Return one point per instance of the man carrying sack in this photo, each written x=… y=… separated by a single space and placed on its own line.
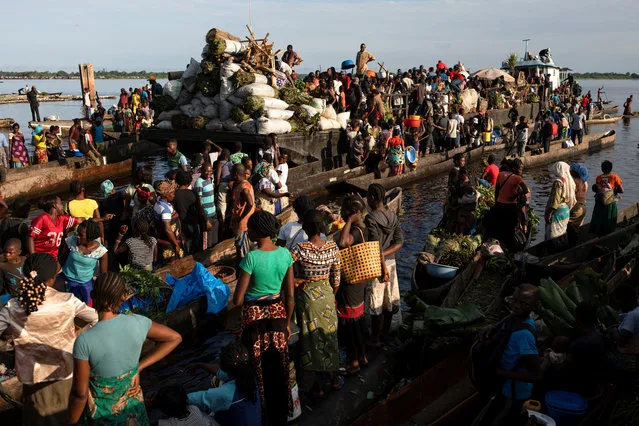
x=382 y=297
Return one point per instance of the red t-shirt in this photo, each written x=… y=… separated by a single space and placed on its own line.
x=492 y=171
x=47 y=235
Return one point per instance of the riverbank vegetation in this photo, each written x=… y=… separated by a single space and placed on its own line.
x=64 y=75
x=606 y=76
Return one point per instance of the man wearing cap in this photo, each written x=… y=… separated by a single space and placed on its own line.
x=362 y=60
x=156 y=88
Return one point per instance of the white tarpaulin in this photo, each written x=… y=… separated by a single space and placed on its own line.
x=494 y=74
x=469 y=98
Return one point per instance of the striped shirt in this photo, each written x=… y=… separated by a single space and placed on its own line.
x=204 y=189
x=140 y=253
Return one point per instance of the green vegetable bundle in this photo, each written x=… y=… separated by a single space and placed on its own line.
x=238 y=115
x=293 y=96
x=163 y=103
x=208 y=67
x=145 y=283
x=533 y=221
x=252 y=104
x=197 y=123
x=243 y=78
x=452 y=249
x=216 y=46
x=207 y=85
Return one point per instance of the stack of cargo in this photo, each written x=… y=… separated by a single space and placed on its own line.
x=235 y=87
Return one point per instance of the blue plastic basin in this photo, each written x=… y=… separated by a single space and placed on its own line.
x=441 y=271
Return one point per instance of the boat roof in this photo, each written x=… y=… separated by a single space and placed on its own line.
x=535 y=63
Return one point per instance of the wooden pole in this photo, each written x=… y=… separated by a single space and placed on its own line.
x=87 y=80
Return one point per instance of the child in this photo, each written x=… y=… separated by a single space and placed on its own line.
x=11 y=270
x=142 y=248
x=236 y=402
x=172 y=400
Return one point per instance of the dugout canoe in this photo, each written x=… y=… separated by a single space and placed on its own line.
x=607 y=110
x=593 y=144
x=38 y=180
x=6 y=122
x=610 y=120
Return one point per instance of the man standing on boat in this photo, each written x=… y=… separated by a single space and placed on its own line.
x=627 y=106
x=32 y=97
x=578 y=125
x=362 y=60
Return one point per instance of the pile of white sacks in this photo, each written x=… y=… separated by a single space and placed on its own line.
x=212 y=95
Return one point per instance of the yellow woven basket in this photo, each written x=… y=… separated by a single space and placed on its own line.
x=361 y=262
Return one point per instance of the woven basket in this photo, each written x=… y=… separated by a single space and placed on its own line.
x=361 y=262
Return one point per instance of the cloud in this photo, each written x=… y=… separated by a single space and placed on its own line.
x=585 y=35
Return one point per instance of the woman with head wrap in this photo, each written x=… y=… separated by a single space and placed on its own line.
x=560 y=202
x=579 y=173
x=607 y=187
x=39 y=141
x=107 y=360
x=265 y=289
x=267 y=183
x=395 y=149
x=317 y=269
x=167 y=223
x=19 y=155
x=41 y=322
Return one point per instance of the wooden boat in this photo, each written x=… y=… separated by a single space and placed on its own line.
x=592 y=144
x=625 y=217
x=224 y=252
x=6 y=122
x=38 y=180
x=310 y=179
x=607 y=110
x=423 y=170
x=610 y=120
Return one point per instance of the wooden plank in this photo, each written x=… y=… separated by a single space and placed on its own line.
x=87 y=79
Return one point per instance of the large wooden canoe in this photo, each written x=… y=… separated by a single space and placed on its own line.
x=6 y=122
x=38 y=180
x=432 y=169
x=609 y=120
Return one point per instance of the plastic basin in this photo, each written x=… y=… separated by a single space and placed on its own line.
x=566 y=408
x=441 y=271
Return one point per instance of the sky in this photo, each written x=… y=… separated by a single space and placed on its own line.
x=162 y=35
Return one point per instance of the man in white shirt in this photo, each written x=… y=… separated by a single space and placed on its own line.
x=461 y=136
x=451 y=131
x=577 y=126
x=292 y=233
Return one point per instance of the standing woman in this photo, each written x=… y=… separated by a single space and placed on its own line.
x=395 y=149
x=106 y=360
x=39 y=140
x=579 y=173
x=167 y=224
x=504 y=215
x=223 y=169
x=317 y=272
x=560 y=203
x=608 y=186
x=352 y=328
x=265 y=290
x=41 y=321
x=267 y=184
x=84 y=255
x=19 y=155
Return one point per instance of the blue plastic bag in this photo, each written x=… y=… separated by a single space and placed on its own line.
x=198 y=283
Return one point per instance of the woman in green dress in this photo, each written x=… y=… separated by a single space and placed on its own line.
x=106 y=360
x=317 y=271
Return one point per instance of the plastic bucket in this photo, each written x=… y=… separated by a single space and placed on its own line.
x=566 y=408
x=485 y=137
x=413 y=121
x=371 y=73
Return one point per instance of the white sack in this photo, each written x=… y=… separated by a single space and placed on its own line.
x=165 y=125
x=226 y=87
x=260 y=78
x=248 y=126
x=266 y=126
x=184 y=98
x=469 y=99
x=188 y=110
x=235 y=100
x=214 y=124
x=210 y=111
x=274 y=103
x=312 y=112
x=342 y=119
x=172 y=88
x=206 y=101
x=167 y=115
x=326 y=124
x=329 y=113
x=190 y=75
x=229 y=68
x=230 y=126
x=255 y=89
x=318 y=103
x=235 y=47
x=281 y=114
x=225 y=110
